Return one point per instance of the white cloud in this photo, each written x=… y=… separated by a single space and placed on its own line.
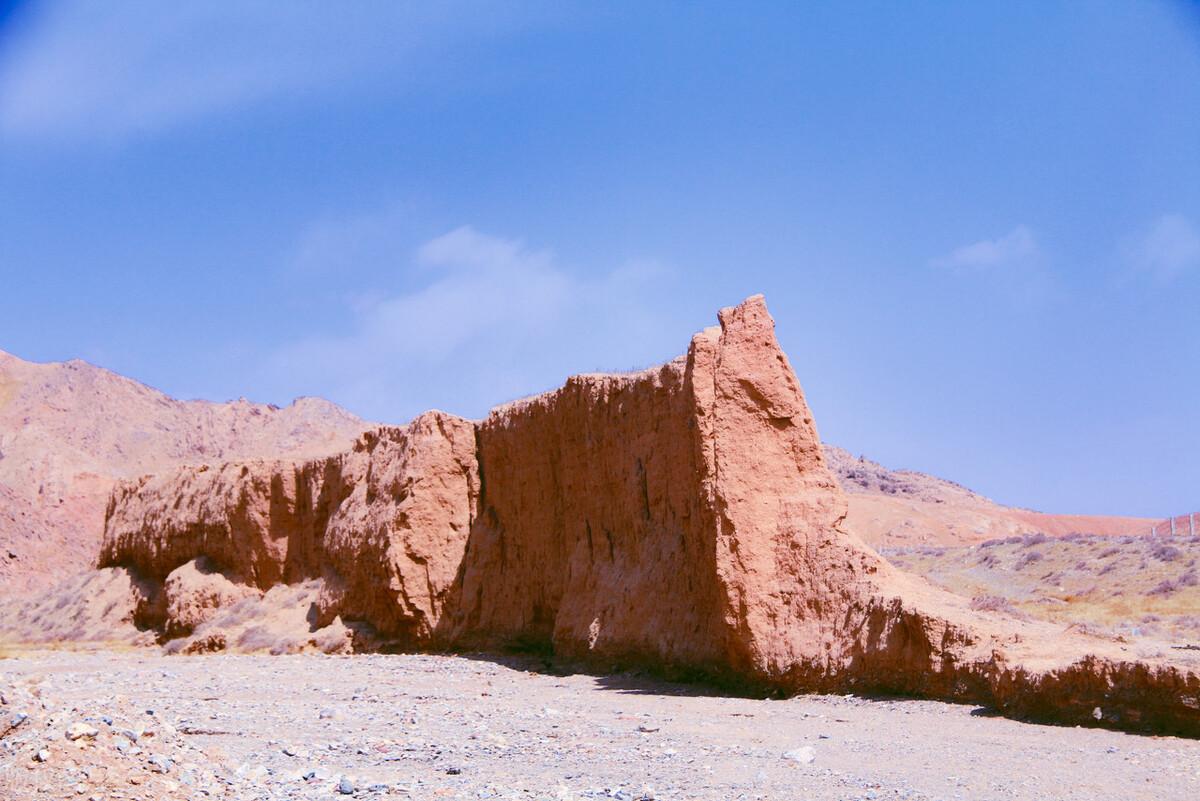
x=342 y=245
x=1017 y=248
x=495 y=319
x=108 y=70
x=1169 y=249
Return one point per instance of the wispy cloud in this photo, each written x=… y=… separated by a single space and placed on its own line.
x=495 y=318
x=353 y=243
x=1168 y=249
x=1017 y=248
x=80 y=70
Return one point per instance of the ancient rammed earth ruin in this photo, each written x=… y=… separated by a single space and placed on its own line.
x=681 y=518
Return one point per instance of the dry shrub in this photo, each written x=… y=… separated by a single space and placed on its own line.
x=262 y=638
x=1165 y=553
x=995 y=603
x=1164 y=587
x=1028 y=559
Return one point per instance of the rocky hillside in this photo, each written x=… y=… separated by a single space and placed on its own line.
x=903 y=508
x=69 y=431
x=1127 y=586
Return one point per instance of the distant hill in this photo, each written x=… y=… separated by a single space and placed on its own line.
x=69 y=430
x=897 y=508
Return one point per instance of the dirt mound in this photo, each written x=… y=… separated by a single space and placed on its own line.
x=69 y=431
x=682 y=518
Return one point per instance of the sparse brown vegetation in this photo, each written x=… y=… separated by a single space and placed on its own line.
x=996 y=603
x=1133 y=586
x=1028 y=559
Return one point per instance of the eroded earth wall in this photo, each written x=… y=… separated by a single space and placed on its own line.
x=681 y=517
x=384 y=525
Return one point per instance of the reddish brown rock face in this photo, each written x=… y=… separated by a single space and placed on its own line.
x=681 y=517
x=593 y=533
x=385 y=523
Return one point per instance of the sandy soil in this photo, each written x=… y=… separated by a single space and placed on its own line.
x=420 y=727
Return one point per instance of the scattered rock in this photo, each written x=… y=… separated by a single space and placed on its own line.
x=803 y=755
x=160 y=764
x=81 y=730
x=12 y=724
x=345 y=786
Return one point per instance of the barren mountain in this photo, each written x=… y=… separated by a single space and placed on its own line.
x=904 y=508
x=70 y=430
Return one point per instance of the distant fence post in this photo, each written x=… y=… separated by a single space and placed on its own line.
x=1172 y=526
x=1192 y=523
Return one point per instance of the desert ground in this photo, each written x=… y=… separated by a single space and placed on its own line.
x=431 y=726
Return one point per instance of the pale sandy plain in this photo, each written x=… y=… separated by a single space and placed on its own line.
x=426 y=727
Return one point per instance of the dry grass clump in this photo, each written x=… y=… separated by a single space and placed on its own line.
x=1028 y=559
x=265 y=638
x=1165 y=553
x=989 y=560
x=996 y=603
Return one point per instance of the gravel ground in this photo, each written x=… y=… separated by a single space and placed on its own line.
x=308 y=726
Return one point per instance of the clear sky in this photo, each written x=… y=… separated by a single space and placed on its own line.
x=977 y=224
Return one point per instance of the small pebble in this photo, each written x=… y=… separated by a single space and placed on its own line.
x=160 y=764
x=804 y=754
x=80 y=730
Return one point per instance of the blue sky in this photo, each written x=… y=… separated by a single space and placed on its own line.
x=977 y=224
